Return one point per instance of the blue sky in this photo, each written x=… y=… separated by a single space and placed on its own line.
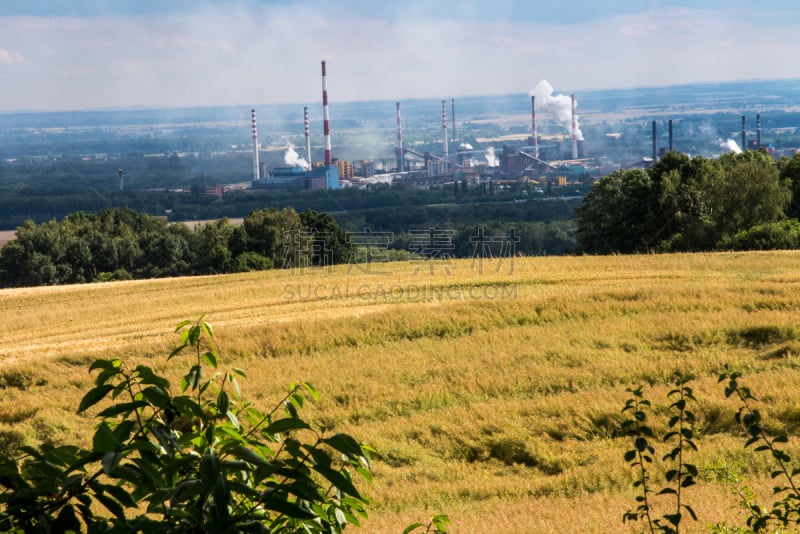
x=82 y=54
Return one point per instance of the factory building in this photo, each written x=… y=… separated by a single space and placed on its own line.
x=345 y=169
x=297 y=178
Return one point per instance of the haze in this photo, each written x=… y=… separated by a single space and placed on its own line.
x=86 y=54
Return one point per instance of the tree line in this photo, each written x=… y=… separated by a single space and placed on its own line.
x=119 y=244
x=122 y=244
x=737 y=202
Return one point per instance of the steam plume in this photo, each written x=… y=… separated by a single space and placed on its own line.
x=465 y=146
x=491 y=158
x=292 y=159
x=558 y=106
x=731 y=145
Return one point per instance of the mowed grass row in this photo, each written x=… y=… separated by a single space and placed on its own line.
x=490 y=390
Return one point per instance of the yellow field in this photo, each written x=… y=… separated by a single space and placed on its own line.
x=491 y=391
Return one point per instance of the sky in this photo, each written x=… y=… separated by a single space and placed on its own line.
x=89 y=54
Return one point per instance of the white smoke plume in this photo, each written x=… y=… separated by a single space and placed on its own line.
x=731 y=145
x=491 y=158
x=558 y=106
x=292 y=159
x=465 y=146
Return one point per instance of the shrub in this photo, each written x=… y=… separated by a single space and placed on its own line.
x=201 y=459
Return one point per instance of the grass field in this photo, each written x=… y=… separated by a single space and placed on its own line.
x=491 y=391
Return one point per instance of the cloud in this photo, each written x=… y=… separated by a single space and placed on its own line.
x=7 y=57
x=269 y=52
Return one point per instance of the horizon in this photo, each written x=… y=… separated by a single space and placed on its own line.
x=143 y=108
x=98 y=54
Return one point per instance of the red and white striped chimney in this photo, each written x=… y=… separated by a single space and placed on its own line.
x=399 y=149
x=326 y=126
x=574 y=130
x=256 y=173
x=308 y=135
x=444 y=128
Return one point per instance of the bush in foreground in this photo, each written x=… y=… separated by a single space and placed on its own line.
x=202 y=459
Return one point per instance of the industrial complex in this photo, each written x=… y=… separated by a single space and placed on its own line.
x=541 y=161
x=533 y=160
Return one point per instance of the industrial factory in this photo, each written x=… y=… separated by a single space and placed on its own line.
x=541 y=161
x=530 y=160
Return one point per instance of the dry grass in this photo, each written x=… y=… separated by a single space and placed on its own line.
x=493 y=397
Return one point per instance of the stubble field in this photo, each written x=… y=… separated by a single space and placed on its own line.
x=492 y=391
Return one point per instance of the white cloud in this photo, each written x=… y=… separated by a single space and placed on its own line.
x=271 y=54
x=9 y=57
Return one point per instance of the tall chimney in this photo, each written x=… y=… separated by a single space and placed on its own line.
x=534 y=134
x=744 y=133
x=444 y=129
x=655 y=149
x=574 y=130
x=326 y=125
x=399 y=148
x=758 y=130
x=256 y=174
x=671 y=148
x=308 y=135
x=453 y=114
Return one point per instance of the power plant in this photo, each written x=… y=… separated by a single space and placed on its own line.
x=553 y=159
x=300 y=174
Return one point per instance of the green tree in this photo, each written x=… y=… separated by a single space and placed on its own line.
x=751 y=192
x=330 y=240
x=619 y=214
x=212 y=247
x=685 y=203
x=279 y=236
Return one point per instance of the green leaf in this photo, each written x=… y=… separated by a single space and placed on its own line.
x=210 y=358
x=66 y=521
x=209 y=468
x=287 y=508
x=222 y=498
x=125 y=407
x=94 y=396
x=286 y=424
x=122 y=496
x=182 y=324
x=110 y=461
x=346 y=445
x=104 y=439
x=249 y=455
x=111 y=505
x=223 y=402
x=311 y=390
x=336 y=478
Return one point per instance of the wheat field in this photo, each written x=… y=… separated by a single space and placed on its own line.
x=491 y=390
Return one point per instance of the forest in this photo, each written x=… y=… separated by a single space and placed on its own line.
x=746 y=201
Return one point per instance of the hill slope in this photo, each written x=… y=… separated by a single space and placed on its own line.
x=491 y=389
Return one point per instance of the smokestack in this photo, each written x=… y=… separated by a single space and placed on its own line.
x=119 y=171
x=326 y=125
x=256 y=174
x=670 y=136
x=444 y=128
x=574 y=130
x=744 y=133
x=399 y=149
x=535 y=135
x=655 y=149
x=308 y=134
x=758 y=130
x=453 y=114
